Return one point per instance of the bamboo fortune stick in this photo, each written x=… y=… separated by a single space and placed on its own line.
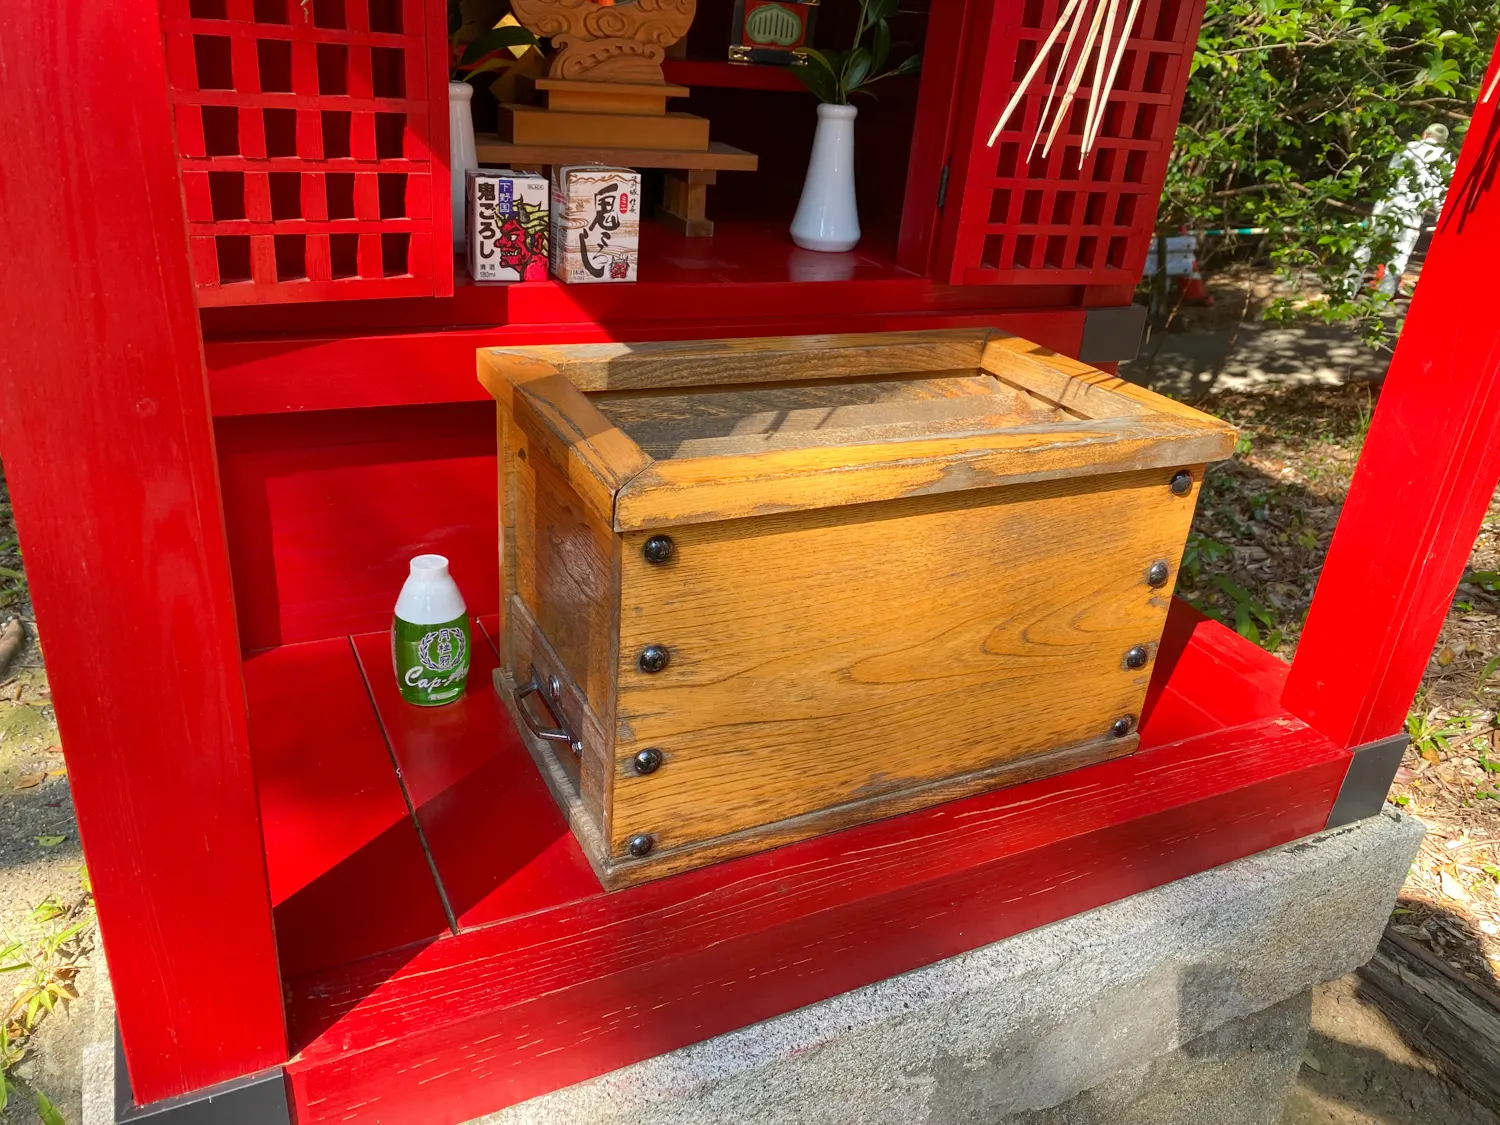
x=1097 y=94
x=1114 y=65
x=1036 y=65
x=1062 y=65
x=1067 y=102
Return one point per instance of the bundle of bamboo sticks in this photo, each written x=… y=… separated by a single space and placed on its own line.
x=1098 y=42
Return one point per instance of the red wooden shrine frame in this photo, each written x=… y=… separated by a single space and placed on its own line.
x=260 y=793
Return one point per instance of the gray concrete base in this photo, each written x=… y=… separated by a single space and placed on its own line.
x=1237 y=1074
x=1186 y=1003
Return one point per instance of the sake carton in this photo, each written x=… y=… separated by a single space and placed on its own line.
x=596 y=223
x=505 y=221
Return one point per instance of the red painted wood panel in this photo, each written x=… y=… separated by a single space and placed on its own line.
x=109 y=456
x=288 y=253
x=1425 y=476
x=326 y=371
x=748 y=271
x=337 y=826
x=567 y=993
x=1063 y=217
x=1214 y=676
x=326 y=510
x=939 y=101
x=498 y=840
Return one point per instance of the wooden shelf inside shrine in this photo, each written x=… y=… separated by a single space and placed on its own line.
x=689 y=173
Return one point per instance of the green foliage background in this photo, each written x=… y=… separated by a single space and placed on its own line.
x=1295 y=107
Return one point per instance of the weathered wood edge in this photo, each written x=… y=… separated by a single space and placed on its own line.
x=595 y=765
x=595 y=455
x=616 y=873
x=575 y=812
x=695 y=363
x=1077 y=387
x=700 y=490
x=1440 y=1012
x=718 y=157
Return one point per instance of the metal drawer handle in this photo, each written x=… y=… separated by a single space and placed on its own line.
x=549 y=694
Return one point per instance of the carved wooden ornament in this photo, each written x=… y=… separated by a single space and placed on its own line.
x=596 y=42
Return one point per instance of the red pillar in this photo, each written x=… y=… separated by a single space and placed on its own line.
x=108 y=446
x=1425 y=477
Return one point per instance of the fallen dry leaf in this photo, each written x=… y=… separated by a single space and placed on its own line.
x=28 y=781
x=1453 y=889
x=50 y=841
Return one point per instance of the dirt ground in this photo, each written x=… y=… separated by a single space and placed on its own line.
x=1303 y=399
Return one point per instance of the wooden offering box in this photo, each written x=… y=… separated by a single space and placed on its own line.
x=757 y=590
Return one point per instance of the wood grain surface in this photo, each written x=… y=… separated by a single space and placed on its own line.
x=616 y=871
x=562 y=425
x=721 y=157
x=835 y=655
x=731 y=422
x=1080 y=388
x=698 y=363
x=699 y=489
x=1451 y=1019
x=590 y=772
x=905 y=570
x=564 y=565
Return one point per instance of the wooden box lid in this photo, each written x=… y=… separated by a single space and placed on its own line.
x=662 y=434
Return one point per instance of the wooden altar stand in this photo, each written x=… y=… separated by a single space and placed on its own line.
x=689 y=174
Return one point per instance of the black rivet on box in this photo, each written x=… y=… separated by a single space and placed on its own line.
x=653 y=658
x=1136 y=657
x=657 y=549
x=1182 y=483
x=646 y=761
x=1158 y=573
x=1122 y=726
x=639 y=846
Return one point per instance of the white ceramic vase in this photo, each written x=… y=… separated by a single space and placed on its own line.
x=461 y=155
x=827 y=217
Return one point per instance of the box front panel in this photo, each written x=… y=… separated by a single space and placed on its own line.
x=824 y=657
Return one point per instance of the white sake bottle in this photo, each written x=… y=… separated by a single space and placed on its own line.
x=430 y=635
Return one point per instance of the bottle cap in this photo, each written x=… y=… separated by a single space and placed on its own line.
x=429 y=567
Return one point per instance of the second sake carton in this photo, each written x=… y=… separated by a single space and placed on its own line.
x=505 y=220
x=596 y=223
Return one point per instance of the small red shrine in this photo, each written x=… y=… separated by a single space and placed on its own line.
x=239 y=393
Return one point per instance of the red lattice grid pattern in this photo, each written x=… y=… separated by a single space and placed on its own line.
x=312 y=139
x=1048 y=220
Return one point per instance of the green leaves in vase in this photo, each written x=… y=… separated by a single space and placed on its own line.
x=834 y=76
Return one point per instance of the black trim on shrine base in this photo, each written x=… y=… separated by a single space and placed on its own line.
x=255 y=1099
x=1112 y=335
x=1371 y=771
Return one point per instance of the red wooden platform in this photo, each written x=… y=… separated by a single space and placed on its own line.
x=503 y=959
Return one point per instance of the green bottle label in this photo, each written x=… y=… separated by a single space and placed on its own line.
x=431 y=661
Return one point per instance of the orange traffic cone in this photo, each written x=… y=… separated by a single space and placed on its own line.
x=1193 y=290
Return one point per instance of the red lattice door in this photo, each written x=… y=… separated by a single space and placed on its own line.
x=312 y=139
x=1056 y=220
